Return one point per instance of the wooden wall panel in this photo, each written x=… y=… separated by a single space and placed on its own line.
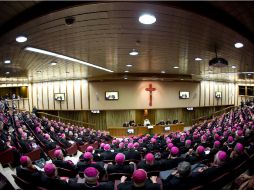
x=34 y=97
x=202 y=94
x=56 y=89
x=70 y=98
x=207 y=93
x=77 y=94
x=39 y=96
x=212 y=93
x=51 y=96
x=63 y=90
x=84 y=91
x=45 y=96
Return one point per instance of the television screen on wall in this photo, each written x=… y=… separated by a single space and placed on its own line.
x=218 y=94
x=130 y=131
x=111 y=95
x=59 y=96
x=184 y=95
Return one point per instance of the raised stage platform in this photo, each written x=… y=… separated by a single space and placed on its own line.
x=157 y=129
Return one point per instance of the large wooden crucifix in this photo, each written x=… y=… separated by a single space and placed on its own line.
x=150 y=90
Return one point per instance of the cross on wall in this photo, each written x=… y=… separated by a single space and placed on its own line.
x=150 y=90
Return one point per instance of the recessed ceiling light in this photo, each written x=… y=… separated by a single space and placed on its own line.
x=198 y=59
x=233 y=67
x=134 y=52
x=45 y=52
x=238 y=45
x=175 y=67
x=38 y=71
x=182 y=79
x=53 y=63
x=21 y=39
x=126 y=71
x=7 y=61
x=129 y=65
x=147 y=19
x=163 y=72
x=7 y=72
x=249 y=74
x=125 y=78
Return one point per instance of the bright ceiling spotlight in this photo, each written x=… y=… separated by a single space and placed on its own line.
x=238 y=45
x=7 y=61
x=21 y=39
x=147 y=19
x=53 y=63
x=134 y=52
x=198 y=59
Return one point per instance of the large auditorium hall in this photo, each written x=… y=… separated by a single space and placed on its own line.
x=126 y=95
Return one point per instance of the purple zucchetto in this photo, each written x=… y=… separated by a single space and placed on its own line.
x=91 y=173
x=50 y=169
x=139 y=176
x=120 y=158
x=87 y=155
x=200 y=149
x=239 y=148
x=24 y=160
x=89 y=149
x=174 y=151
x=130 y=146
x=121 y=145
x=216 y=144
x=106 y=147
x=149 y=157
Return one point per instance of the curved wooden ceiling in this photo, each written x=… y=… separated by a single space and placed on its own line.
x=105 y=33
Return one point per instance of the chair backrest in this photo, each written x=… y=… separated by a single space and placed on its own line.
x=22 y=183
x=72 y=149
x=51 y=153
x=82 y=148
x=62 y=172
x=34 y=154
x=4 y=183
x=117 y=176
x=153 y=173
x=7 y=157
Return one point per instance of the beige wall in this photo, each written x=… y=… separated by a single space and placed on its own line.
x=84 y=95
x=132 y=95
x=208 y=89
x=41 y=95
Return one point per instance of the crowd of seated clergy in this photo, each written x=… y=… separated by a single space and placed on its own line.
x=181 y=159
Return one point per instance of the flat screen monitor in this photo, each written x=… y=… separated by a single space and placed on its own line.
x=111 y=95
x=150 y=127
x=130 y=131
x=59 y=96
x=218 y=94
x=184 y=95
x=167 y=128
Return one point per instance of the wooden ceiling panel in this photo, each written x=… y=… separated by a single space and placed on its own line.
x=105 y=33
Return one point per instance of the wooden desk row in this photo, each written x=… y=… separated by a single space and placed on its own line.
x=157 y=129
